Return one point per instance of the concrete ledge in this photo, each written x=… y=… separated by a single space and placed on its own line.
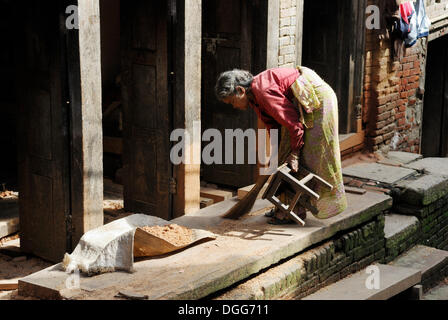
x=431 y=262
x=242 y=248
x=395 y=225
x=438 y=166
x=378 y=172
x=403 y=157
x=401 y=233
x=393 y=280
x=423 y=190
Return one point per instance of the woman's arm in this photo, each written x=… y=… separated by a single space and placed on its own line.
x=286 y=114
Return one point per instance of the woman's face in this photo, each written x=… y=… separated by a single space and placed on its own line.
x=238 y=101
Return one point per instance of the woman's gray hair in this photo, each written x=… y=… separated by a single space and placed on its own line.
x=229 y=80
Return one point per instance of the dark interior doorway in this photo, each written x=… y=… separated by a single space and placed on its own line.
x=435 y=109
x=8 y=104
x=233 y=36
x=146 y=94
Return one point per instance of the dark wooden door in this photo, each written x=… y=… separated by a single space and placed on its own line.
x=146 y=112
x=435 y=110
x=44 y=191
x=333 y=46
x=227 y=44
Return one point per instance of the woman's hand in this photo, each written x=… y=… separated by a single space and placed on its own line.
x=293 y=161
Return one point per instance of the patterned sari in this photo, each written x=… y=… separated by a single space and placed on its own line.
x=318 y=107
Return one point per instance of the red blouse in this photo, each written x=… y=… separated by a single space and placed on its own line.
x=271 y=89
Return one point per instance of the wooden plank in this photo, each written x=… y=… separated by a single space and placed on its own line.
x=84 y=76
x=354 y=190
x=113 y=145
x=216 y=194
x=9 y=284
x=352 y=140
x=250 y=247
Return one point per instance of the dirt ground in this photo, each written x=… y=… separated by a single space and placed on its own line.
x=14 y=264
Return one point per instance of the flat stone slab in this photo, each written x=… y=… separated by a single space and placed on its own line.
x=378 y=172
x=9 y=220
x=393 y=280
x=403 y=157
x=437 y=166
x=423 y=189
x=438 y=293
x=395 y=224
x=242 y=248
x=422 y=258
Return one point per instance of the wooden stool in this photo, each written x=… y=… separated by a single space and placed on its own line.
x=283 y=176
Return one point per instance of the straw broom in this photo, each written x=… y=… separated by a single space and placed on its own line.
x=246 y=203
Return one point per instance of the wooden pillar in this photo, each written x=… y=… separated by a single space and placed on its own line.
x=187 y=102
x=273 y=33
x=86 y=118
x=299 y=33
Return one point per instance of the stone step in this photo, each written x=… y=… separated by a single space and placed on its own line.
x=396 y=225
x=432 y=262
x=392 y=281
x=401 y=233
x=403 y=157
x=9 y=220
x=378 y=172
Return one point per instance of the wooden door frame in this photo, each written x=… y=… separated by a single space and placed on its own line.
x=84 y=85
x=187 y=101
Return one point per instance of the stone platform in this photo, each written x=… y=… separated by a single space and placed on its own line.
x=242 y=249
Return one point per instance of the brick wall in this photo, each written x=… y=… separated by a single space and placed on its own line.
x=433 y=218
x=287 y=34
x=393 y=95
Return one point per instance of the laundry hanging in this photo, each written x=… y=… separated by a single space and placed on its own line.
x=408 y=23
x=423 y=22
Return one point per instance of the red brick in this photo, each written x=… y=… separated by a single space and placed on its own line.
x=401 y=121
x=416 y=64
x=402 y=108
x=399 y=115
x=407 y=66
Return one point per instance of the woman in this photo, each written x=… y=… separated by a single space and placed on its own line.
x=305 y=107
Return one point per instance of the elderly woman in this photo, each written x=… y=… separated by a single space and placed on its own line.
x=300 y=103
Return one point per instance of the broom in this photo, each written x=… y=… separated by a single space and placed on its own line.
x=246 y=203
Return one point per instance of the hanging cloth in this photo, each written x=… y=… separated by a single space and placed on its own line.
x=423 y=22
x=408 y=23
